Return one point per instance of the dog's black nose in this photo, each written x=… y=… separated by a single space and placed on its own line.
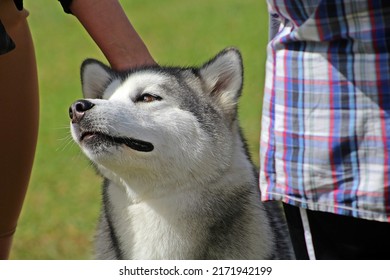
x=78 y=109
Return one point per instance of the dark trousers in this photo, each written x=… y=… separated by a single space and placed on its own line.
x=337 y=237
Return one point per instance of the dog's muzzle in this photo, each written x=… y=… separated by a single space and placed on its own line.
x=76 y=113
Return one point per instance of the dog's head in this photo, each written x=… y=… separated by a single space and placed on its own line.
x=160 y=121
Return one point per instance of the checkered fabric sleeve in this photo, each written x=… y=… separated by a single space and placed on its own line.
x=325 y=134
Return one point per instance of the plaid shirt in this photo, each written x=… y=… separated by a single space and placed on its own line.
x=325 y=135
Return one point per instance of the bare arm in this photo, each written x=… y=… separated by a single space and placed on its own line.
x=112 y=31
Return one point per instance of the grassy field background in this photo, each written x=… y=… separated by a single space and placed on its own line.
x=62 y=205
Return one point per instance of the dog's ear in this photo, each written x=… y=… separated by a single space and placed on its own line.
x=95 y=77
x=223 y=78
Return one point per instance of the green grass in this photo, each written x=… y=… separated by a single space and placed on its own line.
x=62 y=205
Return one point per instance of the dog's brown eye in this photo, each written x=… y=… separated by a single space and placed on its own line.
x=147 y=97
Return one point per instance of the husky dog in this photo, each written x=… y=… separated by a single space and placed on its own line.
x=178 y=181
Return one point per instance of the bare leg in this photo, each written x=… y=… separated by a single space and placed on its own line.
x=19 y=112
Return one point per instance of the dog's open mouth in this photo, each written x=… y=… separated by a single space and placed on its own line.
x=135 y=144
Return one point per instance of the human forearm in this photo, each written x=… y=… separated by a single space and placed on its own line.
x=110 y=28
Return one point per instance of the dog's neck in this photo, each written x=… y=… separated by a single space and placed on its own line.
x=142 y=189
x=137 y=190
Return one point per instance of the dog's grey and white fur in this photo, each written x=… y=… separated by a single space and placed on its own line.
x=178 y=181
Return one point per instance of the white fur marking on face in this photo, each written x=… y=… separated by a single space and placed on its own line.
x=110 y=90
x=139 y=83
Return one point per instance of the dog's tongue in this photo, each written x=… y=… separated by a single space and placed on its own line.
x=136 y=144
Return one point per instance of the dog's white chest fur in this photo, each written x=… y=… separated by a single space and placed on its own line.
x=154 y=229
x=178 y=226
